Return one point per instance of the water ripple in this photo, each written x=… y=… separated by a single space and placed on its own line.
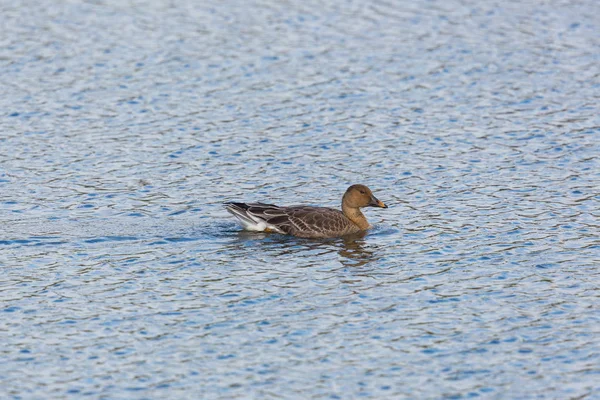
x=124 y=128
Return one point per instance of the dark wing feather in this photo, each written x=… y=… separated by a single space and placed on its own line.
x=271 y=214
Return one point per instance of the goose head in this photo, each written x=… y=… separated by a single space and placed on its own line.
x=360 y=196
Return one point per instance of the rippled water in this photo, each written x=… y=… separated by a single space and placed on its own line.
x=125 y=125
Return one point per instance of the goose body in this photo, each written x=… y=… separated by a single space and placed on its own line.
x=308 y=221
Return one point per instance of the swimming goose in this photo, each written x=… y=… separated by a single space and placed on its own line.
x=307 y=221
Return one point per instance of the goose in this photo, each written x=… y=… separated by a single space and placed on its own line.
x=309 y=221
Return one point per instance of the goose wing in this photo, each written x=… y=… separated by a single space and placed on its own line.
x=305 y=221
x=301 y=221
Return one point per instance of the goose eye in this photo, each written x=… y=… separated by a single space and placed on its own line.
x=362 y=192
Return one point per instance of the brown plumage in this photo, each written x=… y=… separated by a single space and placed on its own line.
x=307 y=221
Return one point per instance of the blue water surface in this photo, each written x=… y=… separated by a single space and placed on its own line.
x=125 y=125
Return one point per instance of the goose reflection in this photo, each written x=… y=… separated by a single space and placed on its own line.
x=352 y=251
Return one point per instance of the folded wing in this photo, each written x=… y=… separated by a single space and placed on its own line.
x=302 y=221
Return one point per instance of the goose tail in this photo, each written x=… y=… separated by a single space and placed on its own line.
x=250 y=219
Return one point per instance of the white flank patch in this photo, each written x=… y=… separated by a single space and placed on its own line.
x=251 y=222
x=257 y=227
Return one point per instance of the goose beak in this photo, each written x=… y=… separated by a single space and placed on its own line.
x=376 y=203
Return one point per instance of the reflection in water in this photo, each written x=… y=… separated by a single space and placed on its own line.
x=355 y=253
x=353 y=250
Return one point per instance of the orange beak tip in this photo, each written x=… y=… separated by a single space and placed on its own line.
x=381 y=204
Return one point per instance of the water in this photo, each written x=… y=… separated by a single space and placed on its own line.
x=125 y=125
